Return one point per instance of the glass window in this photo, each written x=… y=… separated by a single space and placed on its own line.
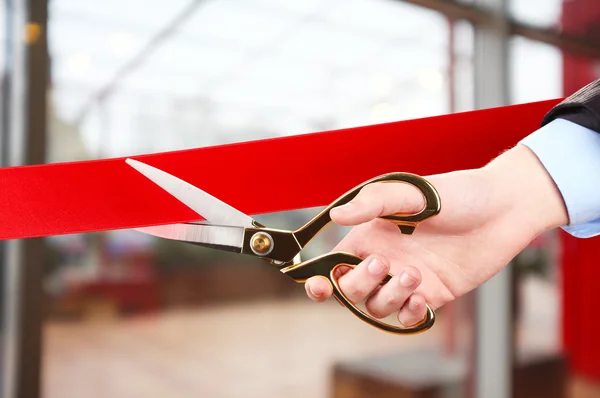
x=545 y=13
x=535 y=71
x=232 y=70
x=462 y=66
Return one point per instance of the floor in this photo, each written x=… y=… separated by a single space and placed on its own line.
x=257 y=350
x=265 y=350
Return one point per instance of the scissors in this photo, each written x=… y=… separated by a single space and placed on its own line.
x=231 y=230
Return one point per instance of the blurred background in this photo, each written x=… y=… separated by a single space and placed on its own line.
x=119 y=314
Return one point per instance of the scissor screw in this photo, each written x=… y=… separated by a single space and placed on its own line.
x=261 y=243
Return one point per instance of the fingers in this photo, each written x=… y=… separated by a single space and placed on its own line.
x=318 y=288
x=394 y=295
x=379 y=199
x=356 y=284
x=362 y=280
x=414 y=311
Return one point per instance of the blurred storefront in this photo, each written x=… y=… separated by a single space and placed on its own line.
x=127 y=315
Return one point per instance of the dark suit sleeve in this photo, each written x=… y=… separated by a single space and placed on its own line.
x=582 y=108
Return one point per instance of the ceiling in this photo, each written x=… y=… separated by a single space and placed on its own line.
x=239 y=70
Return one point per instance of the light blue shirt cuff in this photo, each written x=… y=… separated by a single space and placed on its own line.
x=571 y=155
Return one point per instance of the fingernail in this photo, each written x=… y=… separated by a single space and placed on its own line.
x=406 y=280
x=343 y=207
x=412 y=305
x=376 y=267
x=312 y=291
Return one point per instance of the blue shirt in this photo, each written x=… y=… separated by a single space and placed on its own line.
x=571 y=155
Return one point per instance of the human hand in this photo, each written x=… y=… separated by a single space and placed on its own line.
x=487 y=217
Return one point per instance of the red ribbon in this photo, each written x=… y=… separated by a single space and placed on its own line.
x=255 y=177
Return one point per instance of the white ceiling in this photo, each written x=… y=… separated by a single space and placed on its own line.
x=240 y=70
x=247 y=69
x=537 y=12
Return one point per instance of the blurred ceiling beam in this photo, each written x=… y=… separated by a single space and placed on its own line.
x=169 y=29
x=477 y=15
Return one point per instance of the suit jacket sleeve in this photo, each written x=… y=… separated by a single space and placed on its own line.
x=582 y=108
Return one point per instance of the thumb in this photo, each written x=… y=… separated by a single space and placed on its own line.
x=379 y=199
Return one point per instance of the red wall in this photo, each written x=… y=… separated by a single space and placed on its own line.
x=581 y=257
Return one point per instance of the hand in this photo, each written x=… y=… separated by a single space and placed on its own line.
x=487 y=217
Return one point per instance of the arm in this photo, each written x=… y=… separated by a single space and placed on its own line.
x=568 y=146
x=570 y=154
x=550 y=179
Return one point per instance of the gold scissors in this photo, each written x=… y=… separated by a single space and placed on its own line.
x=234 y=231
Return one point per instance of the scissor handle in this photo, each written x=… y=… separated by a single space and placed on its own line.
x=406 y=222
x=326 y=265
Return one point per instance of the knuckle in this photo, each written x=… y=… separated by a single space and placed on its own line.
x=372 y=195
x=412 y=278
x=375 y=311
x=394 y=300
x=413 y=312
x=413 y=272
x=409 y=320
x=356 y=291
x=375 y=189
x=368 y=191
x=414 y=306
x=381 y=258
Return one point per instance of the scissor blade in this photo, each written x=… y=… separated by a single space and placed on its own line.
x=212 y=209
x=218 y=237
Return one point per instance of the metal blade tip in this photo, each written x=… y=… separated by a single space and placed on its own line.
x=145 y=169
x=135 y=163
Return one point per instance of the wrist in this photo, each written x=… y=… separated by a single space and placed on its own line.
x=525 y=190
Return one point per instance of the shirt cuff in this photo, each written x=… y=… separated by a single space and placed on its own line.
x=571 y=155
x=587 y=230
